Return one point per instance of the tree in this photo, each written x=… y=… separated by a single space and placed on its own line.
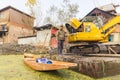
x=35 y=10
x=67 y=11
x=63 y=14
x=55 y=15
x=30 y=4
x=51 y=16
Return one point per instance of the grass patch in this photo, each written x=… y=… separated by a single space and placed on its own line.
x=12 y=67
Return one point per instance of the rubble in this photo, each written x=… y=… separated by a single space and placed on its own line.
x=20 y=49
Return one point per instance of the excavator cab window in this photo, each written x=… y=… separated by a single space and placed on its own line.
x=70 y=28
x=87 y=29
x=81 y=28
x=110 y=38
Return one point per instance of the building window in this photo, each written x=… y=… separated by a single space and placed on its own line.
x=4 y=28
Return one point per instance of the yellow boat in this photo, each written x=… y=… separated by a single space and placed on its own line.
x=30 y=60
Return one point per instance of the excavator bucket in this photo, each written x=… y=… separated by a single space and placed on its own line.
x=75 y=23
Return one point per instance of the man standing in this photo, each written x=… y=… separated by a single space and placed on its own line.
x=61 y=38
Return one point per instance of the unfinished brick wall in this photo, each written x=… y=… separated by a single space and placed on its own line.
x=15 y=32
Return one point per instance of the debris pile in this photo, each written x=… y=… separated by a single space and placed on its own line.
x=20 y=49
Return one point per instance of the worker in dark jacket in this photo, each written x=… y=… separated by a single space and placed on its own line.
x=61 y=34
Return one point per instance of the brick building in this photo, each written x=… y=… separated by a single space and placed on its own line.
x=13 y=24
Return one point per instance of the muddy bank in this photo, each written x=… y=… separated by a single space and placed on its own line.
x=96 y=67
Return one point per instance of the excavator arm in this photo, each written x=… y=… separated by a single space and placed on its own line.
x=110 y=23
x=109 y=26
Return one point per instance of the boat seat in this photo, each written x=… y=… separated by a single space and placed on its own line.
x=28 y=55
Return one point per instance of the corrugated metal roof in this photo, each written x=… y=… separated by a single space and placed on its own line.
x=47 y=26
x=97 y=10
x=108 y=7
x=27 y=36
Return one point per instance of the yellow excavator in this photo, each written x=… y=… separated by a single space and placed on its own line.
x=86 y=37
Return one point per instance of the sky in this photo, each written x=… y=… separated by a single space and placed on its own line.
x=85 y=6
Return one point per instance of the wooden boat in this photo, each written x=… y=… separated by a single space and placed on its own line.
x=30 y=60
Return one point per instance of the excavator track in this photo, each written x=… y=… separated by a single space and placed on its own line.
x=85 y=49
x=94 y=49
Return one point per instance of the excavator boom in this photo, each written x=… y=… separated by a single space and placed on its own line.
x=110 y=24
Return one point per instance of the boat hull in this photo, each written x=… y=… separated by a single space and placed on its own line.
x=31 y=62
